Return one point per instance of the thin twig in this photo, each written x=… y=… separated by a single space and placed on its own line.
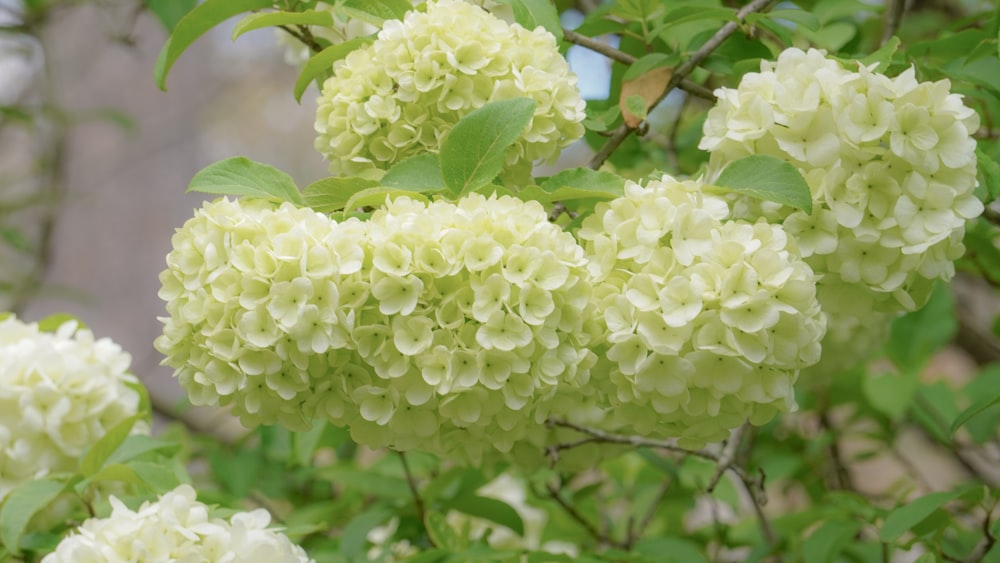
x=418 y=501
x=841 y=476
x=600 y=436
x=575 y=514
x=620 y=56
x=304 y=36
x=728 y=455
x=680 y=73
x=635 y=532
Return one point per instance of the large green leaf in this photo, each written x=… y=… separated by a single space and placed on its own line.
x=599 y=182
x=98 y=454
x=196 y=23
x=768 y=178
x=916 y=336
x=473 y=152
x=976 y=408
x=533 y=13
x=490 y=509
x=332 y=194
x=375 y=12
x=827 y=541
x=22 y=503
x=354 y=536
x=241 y=176
x=269 y=19
x=320 y=65
x=420 y=173
x=904 y=518
x=169 y=12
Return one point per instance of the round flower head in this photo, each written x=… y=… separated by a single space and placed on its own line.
x=708 y=320
x=59 y=394
x=890 y=162
x=400 y=95
x=260 y=301
x=478 y=315
x=176 y=528
x=442 y=327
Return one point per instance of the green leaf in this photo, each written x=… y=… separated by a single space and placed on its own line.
x=890 y=394
x=533 y=13
x=268 y=19
x=916 y=336
x=169 y=12
x=984 y=425
x=241 y=176
x=827 y=541
x=377 y=196
x=692 y=13
x=768 y=178
x=673 y=549
x=441 y=533
x=883 y=56
x=159 y=477
x=15 y=238
x=490 y=509
x=375 y=12
x=598 y=182
x=472 y=153
x=332 y=194
x=368 y=482
x=989 y=173
x=196 y=23
x=637 y=105
x=304 y=443
x=904 y=518
x=98 y=454
x=24 y=502
x=138 y=445
x=973 y=410
x=52 y=323
x=111 y=472
x=320 y=65
x=647 y=63
x=420 y=173
x=801 y=18
x=354 y=536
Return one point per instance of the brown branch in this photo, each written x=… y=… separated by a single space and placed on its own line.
x=303 y=35
x=682 y=72
x=600 y=437
x=617 y=55
x=841 y=475
x=727 y=460
x=893 y=17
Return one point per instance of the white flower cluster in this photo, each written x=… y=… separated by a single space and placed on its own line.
x=400 y=95
x=441 y=327
x=708 y=320
x=260 y=301
x=176 y=528
x=59 y=394
x=890 y=162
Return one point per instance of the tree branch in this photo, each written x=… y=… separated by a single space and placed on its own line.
x=682 y=72
x=418 y=501
x=617 y=55
x=893 y=17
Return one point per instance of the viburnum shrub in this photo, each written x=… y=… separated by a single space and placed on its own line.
x=460 y=347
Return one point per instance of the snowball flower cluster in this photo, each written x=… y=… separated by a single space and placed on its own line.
x=260 y=299
x=443 y=327
x=890 y=162
x=176 y=528
x=59 y=394
x=708 y=320
x=400 y=96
